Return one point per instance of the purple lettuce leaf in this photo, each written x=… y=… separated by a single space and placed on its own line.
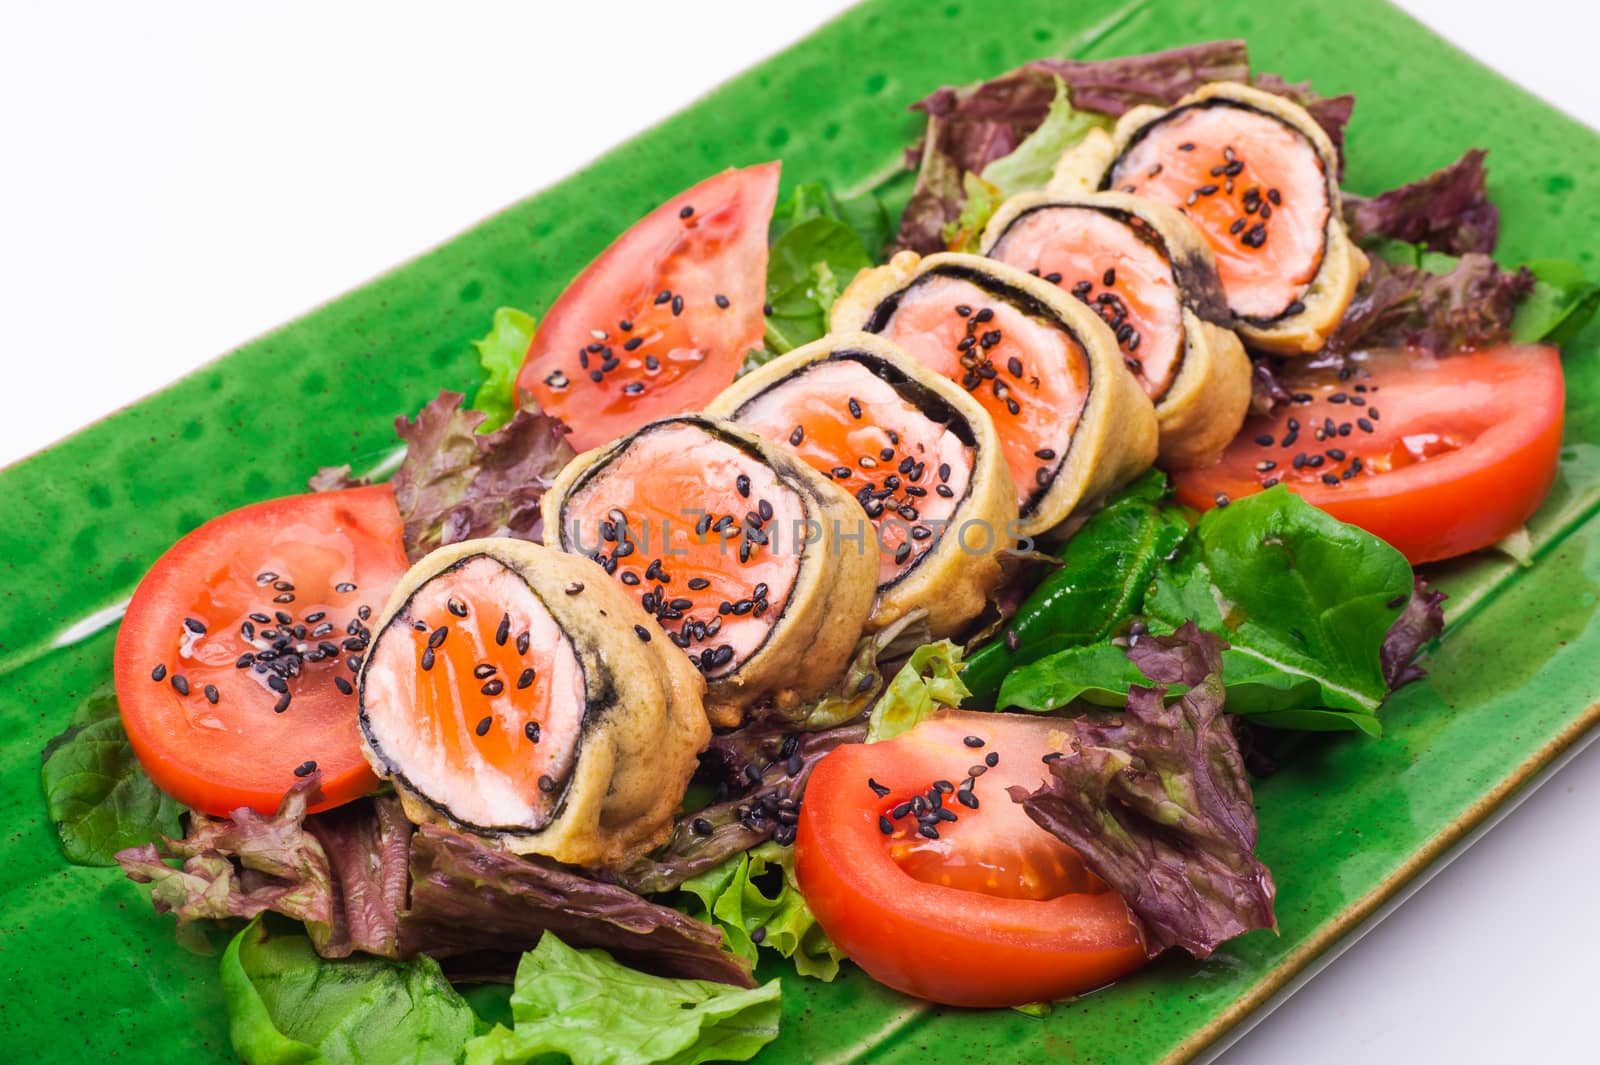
x=1470 y=305
x=458 y=484
x=1448 y=211
x=1156 y=801
x=249 y=863
x=1419 y=623
x=487 y=907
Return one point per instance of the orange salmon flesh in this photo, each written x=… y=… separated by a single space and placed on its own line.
x=1115 y=265
x=908 y=470
x=475 y=695
x=704 y=534
x=1252 y=184
x=1031 y=375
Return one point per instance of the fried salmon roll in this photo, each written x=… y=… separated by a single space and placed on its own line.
x=1146 y=270
x=760 y=569
x=1072 y=422
x=919 y=455
x=1259 y=178
x=515 y=692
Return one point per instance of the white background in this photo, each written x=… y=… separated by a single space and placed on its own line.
x=177 y=179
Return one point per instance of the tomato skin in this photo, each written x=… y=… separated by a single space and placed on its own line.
x=238 y=752
x=1511 y=400
x=686 y=349
x=949 y=945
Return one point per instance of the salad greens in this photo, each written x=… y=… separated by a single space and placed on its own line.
x=1308 y=604
x=484 y=906
x=289 y=1006
x=249 y=863
x=755 y=893
x=1448 y=211
x=582 y=1006
x=931 y=678
x=1028 y=166
x=1156 y=802
x=458 y=482
x=500 y=354
x=97 y=795
x=817 y=245
x=1106 y=569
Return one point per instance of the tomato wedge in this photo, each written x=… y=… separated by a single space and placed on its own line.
x=661 y=321
x=972 y=906
x=1438 y=456
x=237 y=659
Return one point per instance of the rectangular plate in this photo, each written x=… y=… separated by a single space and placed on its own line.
x=85 y=964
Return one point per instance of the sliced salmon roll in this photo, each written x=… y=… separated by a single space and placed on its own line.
x=1259 y=178
x=758 y=567
x=515 y=692
x=1149 y=273
x=1072 y=422
x=919 y=455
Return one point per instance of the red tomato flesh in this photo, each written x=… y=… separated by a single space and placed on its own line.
x=222 y=697
x=1437 y=456
x=987 y=909
x=661 y=321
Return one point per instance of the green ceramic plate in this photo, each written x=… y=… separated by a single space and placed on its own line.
x=85 y=965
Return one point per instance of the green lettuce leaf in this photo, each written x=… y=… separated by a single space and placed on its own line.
x=288 y=1006
x=1311 y=609
x=865 y=214
x=1031 y=163
x=1562 y=302
x=931 y=678
x=1100 y=585
x=500 y=353
x=807 y=267
x=582 y=1004
x=817 y=244
x=757 y=890
x=979 y=201
x=97 y=794
x=1304 y=596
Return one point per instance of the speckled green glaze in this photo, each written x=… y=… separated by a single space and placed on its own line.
x=87 y=972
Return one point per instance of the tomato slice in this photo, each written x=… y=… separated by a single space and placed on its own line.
x=661 y=321
x=975 y=906
x=1438 y=456
x=237 y=659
